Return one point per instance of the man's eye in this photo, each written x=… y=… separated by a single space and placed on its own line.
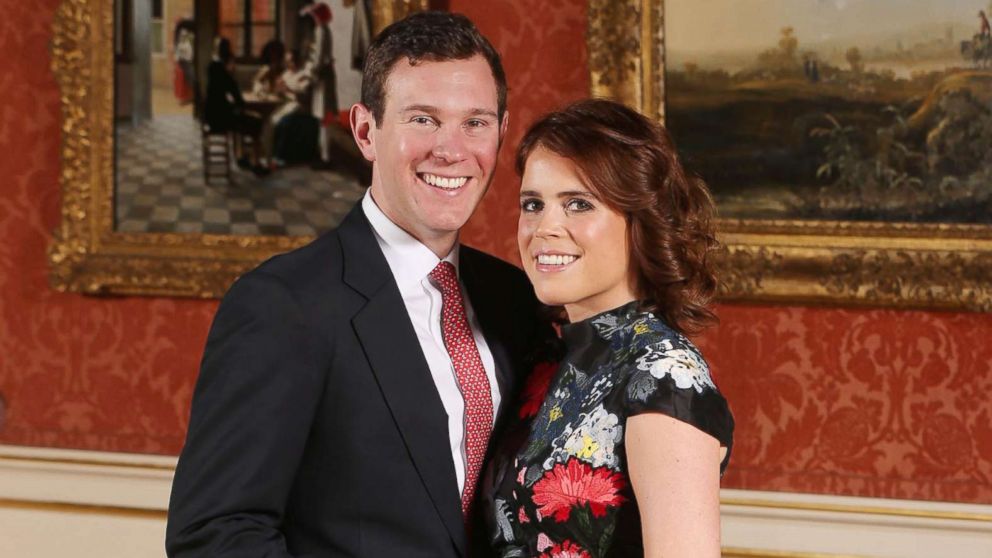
x=427 y=120
x=475 y=123
x=531 y=205
x=579 y=205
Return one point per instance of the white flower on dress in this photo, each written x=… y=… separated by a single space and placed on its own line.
x=607 y=325
x=593 y=441
x=685 y=366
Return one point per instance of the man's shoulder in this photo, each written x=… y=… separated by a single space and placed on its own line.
x=495 y=271
x=484 y=260
x=314 y=266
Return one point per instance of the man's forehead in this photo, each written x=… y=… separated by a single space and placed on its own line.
x=409 y=84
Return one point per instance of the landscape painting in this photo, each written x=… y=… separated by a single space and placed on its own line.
x=852 y=110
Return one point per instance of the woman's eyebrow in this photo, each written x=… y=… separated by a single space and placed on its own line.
x=565 y=194
x=574 y=193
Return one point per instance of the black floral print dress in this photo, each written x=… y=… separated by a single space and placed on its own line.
x=558 y=487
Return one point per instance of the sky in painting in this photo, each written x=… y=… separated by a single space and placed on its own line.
x=705 y=26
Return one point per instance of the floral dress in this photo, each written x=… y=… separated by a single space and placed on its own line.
x=558 y=487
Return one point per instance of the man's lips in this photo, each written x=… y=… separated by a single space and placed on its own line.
x=443 y=182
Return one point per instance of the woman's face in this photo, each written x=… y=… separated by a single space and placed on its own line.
x=573 y=246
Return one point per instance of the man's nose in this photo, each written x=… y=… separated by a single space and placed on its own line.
x=450 y=144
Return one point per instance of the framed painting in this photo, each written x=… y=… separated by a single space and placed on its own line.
x=848 y=144
x=202 y=136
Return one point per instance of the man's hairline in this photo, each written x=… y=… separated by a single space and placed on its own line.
x=500 y=113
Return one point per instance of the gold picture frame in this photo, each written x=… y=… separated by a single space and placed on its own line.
x=87 y=255
x=903 y=265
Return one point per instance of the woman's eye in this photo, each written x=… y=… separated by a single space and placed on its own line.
x=578 y=205
x=531 y=205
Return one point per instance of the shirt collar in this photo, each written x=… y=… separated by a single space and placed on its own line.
x=409 y=259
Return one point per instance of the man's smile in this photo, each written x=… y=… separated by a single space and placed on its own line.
x=444 y=182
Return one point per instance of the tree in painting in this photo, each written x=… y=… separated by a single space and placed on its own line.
x=874 y=110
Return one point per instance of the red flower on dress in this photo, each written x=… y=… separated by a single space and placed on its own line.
x=567 y=549
x=522 y=516
x=576 y=484
x=536 y=388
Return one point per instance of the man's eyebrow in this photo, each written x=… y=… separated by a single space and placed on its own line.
x=420 y=108
x=430 y=109
x=482 y=112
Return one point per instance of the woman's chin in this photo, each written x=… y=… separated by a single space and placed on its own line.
x=552 y=298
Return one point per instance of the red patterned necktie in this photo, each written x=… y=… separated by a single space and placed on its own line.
x=472 y=379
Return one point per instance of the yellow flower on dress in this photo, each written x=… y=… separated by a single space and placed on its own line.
x=588 y=449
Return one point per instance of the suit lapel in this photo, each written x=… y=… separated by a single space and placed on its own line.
x=390 y=344
x=494 y=327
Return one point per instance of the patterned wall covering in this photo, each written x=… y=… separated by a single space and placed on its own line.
x=860 y=402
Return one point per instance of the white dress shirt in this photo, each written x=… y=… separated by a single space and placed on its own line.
x=411 y=262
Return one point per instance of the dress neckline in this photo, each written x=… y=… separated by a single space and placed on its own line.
x=580 y=330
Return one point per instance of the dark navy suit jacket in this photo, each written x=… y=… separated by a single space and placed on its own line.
x=316 y=429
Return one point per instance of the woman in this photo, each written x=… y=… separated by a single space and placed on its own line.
x=294 y=130
x=265 y=82
x=183 y=45
x=621 y=454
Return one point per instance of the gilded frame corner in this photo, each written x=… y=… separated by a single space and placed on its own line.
x=900 y=265
x=86 y=254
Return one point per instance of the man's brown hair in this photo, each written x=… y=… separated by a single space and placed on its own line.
x=430 y=36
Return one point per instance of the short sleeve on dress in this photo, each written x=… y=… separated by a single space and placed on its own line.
x=669 y=376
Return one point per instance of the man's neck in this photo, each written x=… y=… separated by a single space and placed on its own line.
x=440 y=244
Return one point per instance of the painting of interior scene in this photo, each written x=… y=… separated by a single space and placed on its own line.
x=862 y=110
x=231 y=115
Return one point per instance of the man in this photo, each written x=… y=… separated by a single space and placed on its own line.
x=348 y=389
x=320 y=67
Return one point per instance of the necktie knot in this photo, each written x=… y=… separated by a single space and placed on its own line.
x=445 y=278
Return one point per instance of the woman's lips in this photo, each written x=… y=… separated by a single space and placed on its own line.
x=550 y=262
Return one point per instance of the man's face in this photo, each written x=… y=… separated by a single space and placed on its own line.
x=434 y=152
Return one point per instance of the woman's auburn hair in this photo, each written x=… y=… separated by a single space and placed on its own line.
x=629 y=162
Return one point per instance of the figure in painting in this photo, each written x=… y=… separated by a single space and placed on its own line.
x=295 y=130
x=979 y=48
x=274 y=63
x=224 y=110
x=182 y=39
x=320 y=66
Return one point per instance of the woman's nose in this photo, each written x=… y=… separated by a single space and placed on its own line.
x=549 y=225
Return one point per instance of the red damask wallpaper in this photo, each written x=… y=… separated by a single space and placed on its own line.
x=861 y=402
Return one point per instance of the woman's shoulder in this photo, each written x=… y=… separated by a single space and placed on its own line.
x=662 y=371
x=644 y=343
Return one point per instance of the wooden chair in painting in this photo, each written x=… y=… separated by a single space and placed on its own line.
x=216 y=154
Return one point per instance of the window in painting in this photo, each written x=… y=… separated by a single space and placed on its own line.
x=157 y=31
x=249 y=24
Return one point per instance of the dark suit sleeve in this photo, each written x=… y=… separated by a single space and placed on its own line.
x=253 y=406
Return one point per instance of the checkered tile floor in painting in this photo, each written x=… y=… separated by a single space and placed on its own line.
x=160 y=188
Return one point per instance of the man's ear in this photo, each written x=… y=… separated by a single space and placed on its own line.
x=363 y=129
